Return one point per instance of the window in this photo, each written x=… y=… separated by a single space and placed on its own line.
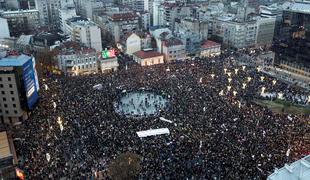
x=1 y=85
x=13 y=99
x=6 y=112
x=15 y=112
x=12 y=92
x=9 y=79
x=4 y=99
x=10 y=85
x=14 y=105
x=5 y=105
x=0 y=78
x=2 y=92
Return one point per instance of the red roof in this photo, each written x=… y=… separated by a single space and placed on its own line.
x=147 y=54
x=172 y=42
x=123 y=16
x=209 y=44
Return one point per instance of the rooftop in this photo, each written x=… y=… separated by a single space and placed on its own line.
x=298 y=170
x=123 y=16
x=147 y=54
x=5 y=150
x=172 y=42
x=301 y=6
x=10 y=61
x=208 y=44
x=19 y=11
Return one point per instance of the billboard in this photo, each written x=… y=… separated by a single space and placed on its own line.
x=106 y=54
x=30 y=84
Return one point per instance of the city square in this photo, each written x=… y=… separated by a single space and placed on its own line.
x=217 y=132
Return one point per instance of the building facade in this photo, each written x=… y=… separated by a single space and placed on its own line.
x=22 y=22
x=85 y=32
x=73 y=62
x=4 y=28
x=19 y=87
x=173 y=50
x=148 y=58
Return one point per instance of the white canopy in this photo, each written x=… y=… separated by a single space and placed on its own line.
x=98 y=86
x=153 y=132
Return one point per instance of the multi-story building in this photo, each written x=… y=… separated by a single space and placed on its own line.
x=85 y=32
x=120 y=24
x=137 y=41
x=265 y=31
x=148 y=58
x=78 y=61
x=191 y=32
x=173 y=11
x=254 y=33
x=22 y=21
x=8 y=158
x=19 y=87
x=273 y=11
x=240 y=34
x=48 y=10
x=66 y=13
x=210 y=48
x=145 y=20
x=87 y=8
x=173 y=49
x=292 y=48
x=4 y=28
x=46 y=41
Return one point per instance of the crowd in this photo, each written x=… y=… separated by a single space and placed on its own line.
x=217 y=130
x=140 y=104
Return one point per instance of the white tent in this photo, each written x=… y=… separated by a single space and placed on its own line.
x=98 y=86
x=153 y=132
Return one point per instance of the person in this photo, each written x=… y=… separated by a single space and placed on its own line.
x=212 y=136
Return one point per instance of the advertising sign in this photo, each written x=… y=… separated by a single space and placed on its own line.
x=30 y=84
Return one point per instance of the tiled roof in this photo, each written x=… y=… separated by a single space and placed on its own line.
x=147 y=54
x=209 y=44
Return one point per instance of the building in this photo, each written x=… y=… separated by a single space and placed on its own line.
x=158 y=12
x=84 y=31
x=120 y=24
x=297 y=170
x=4 y=28
x=19 y=87
x=66 y=13
x=173 y=50
x=7 y=156
x=46 y=41
x=292 y=48
x=48 y=10
x=77 y=61
x=145 y=20
x=265 y=31
x=240 y=34
x=192 y=32
x=273 y=11
x=148 y=58
x=108 y=61
x=22 y=21
x=137 y=41
x=210 y=49
x=24 y=43
x=87 y=8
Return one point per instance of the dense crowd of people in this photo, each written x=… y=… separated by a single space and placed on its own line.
x=140 y=104
x=217 y=130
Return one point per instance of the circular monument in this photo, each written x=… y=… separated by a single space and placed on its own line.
x=141 y=104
